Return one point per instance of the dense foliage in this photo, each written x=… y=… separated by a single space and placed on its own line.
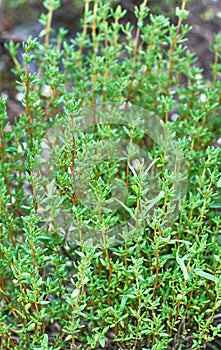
x=129 y=277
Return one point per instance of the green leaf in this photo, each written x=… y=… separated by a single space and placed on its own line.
x=31 y=327
x=123 y=302
x=102 y=342
x=130 y=211
x=45 y=340
x=219 y=182
x=27 y=307
x=180 y=262
x=206 y=275
x=74 y=294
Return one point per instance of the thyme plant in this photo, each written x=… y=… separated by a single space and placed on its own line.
x=158 y=286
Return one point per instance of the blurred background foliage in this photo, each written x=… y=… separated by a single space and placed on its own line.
x=33 y=7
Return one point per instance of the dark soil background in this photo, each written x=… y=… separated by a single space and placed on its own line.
x=19 y=22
